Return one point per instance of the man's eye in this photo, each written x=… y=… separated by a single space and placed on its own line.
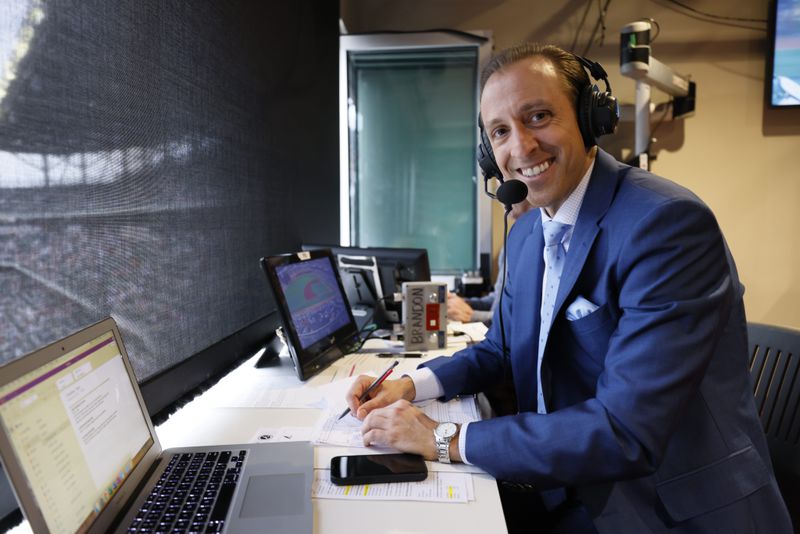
x=498 y=132
x=539 y=117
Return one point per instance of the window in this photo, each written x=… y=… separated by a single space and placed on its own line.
x=409 y=132
x=144 y=151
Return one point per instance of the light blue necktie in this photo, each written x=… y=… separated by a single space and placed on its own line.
x=554 y=256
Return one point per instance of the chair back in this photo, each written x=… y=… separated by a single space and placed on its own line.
x=775 y=370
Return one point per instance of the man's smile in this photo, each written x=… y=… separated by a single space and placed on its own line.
x=536 y=170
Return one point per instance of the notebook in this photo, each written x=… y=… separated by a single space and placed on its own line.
x=81 y=453
x=318 y=322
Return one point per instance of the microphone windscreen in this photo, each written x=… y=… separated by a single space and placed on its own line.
x=512 y=192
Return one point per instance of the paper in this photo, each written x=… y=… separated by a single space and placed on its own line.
x=259 y=395
x=438 y=487
x=459 y=410
x=331 y=430
x=281 y=434
x=359 y=363
x=346 y=432
x=474 y=331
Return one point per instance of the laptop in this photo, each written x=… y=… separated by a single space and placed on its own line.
x=318 y=322
x=81 y=454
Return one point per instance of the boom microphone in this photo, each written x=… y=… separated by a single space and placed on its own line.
x=511 y=192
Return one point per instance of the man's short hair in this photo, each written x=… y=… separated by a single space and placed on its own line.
x=572 y=73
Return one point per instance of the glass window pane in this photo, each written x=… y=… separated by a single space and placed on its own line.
x=412 y=152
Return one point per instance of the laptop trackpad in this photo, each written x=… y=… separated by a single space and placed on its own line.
x=271 y=495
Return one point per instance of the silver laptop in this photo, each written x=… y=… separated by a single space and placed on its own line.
x=82 y=456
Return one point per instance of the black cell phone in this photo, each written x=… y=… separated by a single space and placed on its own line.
x=399 y=355
x=377 y=469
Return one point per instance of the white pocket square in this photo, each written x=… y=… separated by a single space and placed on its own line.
x=580 y=308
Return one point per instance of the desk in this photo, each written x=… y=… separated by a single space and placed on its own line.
x=200 y=423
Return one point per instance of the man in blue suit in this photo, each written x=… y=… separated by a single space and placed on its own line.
x=637 y=408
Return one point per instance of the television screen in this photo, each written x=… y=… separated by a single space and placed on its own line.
x=783 y=80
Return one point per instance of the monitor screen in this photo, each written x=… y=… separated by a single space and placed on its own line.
x=394 y=266
x=783 y=77
x=317 y=321
x=315 y=302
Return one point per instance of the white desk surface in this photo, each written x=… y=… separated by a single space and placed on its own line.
x=200 y=422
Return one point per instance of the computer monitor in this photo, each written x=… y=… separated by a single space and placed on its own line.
x=783 y=67
x=394 y=266
x=317 y=321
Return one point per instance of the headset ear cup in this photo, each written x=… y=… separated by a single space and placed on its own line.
x=598 y=112
x=607 y=114
x=486 y=159
x=585 y=119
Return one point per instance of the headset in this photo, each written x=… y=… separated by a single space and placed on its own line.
x=598 y=114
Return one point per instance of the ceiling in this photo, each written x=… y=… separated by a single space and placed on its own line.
x=683 y=23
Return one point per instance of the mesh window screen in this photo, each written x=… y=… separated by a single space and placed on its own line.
x=145 y=147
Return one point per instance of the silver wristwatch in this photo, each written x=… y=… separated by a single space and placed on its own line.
x=442 y=434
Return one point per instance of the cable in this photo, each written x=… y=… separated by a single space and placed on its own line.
x=710 y=20
x=580 y=26
x=658 y=29
x=600 y=22
x=713 y=16
x=506 y=357
x=372 y=327
x=458 y=333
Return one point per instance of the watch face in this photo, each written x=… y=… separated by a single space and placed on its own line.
x=446 y=430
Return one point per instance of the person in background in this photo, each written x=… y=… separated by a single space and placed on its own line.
x=481 y=309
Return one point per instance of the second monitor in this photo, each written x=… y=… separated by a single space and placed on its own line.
x=371 y=275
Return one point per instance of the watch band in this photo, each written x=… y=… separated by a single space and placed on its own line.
x=442 y=435
x=443 y=450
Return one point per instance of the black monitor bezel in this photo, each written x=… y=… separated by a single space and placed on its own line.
x=770 y=62
x=319 y=355
x=386 y=258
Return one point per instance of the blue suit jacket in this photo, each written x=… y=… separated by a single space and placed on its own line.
x=651 y=414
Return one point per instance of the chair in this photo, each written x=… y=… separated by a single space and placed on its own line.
x=775 y=369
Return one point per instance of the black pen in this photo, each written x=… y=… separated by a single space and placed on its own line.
x=377 y=382
x=399 y=355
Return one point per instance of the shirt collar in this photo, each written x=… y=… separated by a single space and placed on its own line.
x=568 y=212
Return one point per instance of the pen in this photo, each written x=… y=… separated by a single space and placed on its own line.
x=371 y=388
x=400 y=355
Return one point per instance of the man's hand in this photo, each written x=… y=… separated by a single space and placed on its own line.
x=387 y=393
x=458 y=309
x=401 y=426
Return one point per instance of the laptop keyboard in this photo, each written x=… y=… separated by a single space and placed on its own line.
x=192 y=495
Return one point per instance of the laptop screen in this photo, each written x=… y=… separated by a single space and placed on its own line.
x=77 y=430
x=315 y=302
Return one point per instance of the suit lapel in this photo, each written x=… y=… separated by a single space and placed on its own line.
x=527 y=308
x=596 y=202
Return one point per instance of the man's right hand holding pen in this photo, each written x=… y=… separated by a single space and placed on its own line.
x=390 y=420
x=388 y=392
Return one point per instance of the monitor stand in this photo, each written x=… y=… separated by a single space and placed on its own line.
x=271 y=352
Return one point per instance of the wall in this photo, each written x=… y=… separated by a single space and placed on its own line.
x=736 y=155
